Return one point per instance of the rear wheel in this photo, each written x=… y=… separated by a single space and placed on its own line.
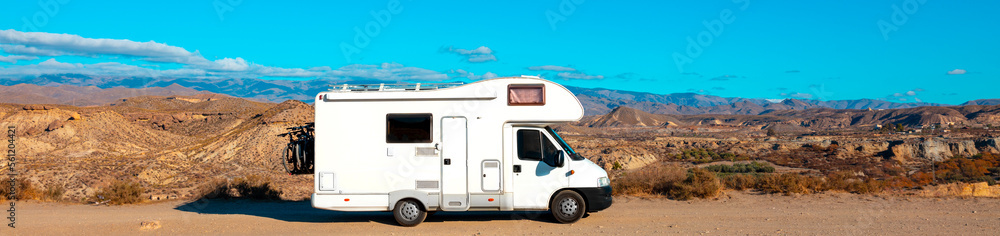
x=409 y=213
x=288 y=162
x=568 y=207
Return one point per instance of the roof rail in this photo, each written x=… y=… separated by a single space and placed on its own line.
x=392 y=87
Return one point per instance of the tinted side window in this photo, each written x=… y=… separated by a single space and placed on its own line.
x=408 y=128
x=533 y=145
x=551 y=153
x=529 y=144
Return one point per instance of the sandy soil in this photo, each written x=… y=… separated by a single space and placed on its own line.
x=733 y=213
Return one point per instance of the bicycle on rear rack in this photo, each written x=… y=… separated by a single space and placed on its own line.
x=298 y=157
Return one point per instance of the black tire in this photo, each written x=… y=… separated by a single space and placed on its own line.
x=287 y=160
x=409 y=213
x=300 y=158
x=568 y=207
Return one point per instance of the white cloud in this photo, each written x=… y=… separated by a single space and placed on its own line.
x=480 y=54
x=14 y=58
x=551 y=68
x=229 y=64
x=23 y=50
x=956 y=72
x=460 y=73
x=321 y=68
x=56 y=64
x=49 y=44
x=578 y=75
x=385 y=72
x=797 y=95
x=905 y=95
x=29 y=45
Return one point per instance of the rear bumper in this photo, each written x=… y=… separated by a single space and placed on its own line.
x=597 y=198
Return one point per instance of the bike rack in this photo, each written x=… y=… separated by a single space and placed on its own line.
x=299 y=155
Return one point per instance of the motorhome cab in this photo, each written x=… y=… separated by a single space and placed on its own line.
x=483 y=146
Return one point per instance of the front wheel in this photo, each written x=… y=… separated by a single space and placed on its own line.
x=409 y=213
x=568 y=207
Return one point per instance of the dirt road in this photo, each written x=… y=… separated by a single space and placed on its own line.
x=733 y=213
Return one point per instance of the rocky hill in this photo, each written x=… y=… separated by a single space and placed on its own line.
x=631 y=117
x=983 y=102
x=172 y=145
x=812 y=119
x=83 y=96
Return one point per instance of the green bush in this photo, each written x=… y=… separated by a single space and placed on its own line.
x=752 y=167
x=705 y=156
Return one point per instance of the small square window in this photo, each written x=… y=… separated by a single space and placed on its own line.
x=408 y=128
x=526 y=95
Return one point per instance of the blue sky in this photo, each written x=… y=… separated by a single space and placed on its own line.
x=904 y=51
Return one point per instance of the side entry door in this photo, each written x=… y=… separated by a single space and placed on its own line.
x=454 y=164
x=536 y=171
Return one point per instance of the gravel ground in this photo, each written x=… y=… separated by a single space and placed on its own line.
x=732 y=213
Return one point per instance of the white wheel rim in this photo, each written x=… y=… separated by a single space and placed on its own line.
x=568 y=206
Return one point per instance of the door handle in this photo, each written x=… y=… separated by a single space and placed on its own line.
x=517 y=168
x=447 y=161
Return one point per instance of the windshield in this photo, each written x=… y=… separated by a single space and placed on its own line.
x=565 y=146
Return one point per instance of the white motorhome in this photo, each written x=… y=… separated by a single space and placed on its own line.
x=483 y=146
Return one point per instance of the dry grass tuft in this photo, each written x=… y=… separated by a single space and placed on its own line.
x=251 y=187
x=671 y=181
x=119 y=193
x=256 y=187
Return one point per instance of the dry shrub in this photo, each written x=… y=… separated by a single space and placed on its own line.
x=213 y=189
x=700 y=183
x=740 y=182
x=23 y=190
x=867 y=186
x=789 y=183
x=53 y=193
x=899 y=182
x=922 y=178
x=642 y=181
x=256 y=187
x=848 y=182
x=120 y=192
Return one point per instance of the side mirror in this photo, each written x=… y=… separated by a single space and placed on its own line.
x=561 y=159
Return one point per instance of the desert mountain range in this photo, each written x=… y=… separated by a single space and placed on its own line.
x=596 y=101
x=813 y=119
